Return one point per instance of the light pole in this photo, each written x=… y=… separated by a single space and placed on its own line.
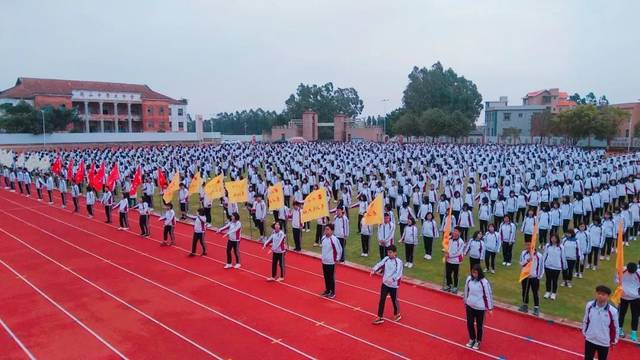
x=630 y=135
x=44 y=139
x=384 y=120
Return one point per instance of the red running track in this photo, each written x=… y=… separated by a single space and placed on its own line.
x=235 y=313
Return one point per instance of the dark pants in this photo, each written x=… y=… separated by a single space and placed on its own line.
x=90 y=209
x=542 y=236
x=428 y=245
x=329 y=273
x=359 y=223
x=207 y=214
x=635 y=312
x=198 y=238
x=343 y=243
x=383 y=251
x=260 y=226
x=319 y=231
x=475 y=318
x=122 y=218
x=277 y=261
x=168 y=231
x=473 y=261
x=451 y=272
x=50 y=194
x=364 y=239
x=590 y=349
x=519 y=215
x=507 y=251
x=565 y=225
x=235 y=246
x=464 y=232
x=408 y=249
x=551 y=284
x=567 y=274
x=27 y=188
x=532 y=284
x=64 y=199
x=393 y=293
x=606 y=250
x=144 y=225
x=527 y=238
x=483 y=226
x=75 y=204
x=296 y=239
x=593 y=256
x=39 y=192
x=490 y=260
x=107 y=213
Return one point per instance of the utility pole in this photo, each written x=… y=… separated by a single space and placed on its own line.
x=384 y=120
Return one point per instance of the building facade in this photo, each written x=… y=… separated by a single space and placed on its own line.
x=553 y=99
x=502 y=119
x=631 y=126
x=103 y=106
x=344 y=129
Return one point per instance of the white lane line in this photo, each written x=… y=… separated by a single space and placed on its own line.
x=17 y=340
x=61 y=308
x=106 y=292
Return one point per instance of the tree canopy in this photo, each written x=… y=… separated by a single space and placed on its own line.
x=589 y=99
x=24 y=118
x=586 y=121
x=256 y=122
x=325 y=100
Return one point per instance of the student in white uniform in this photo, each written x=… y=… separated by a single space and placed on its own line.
x=90 y=201
x=429 y=232
x=365 y=237
x=599 y=325
x=478 y=298
x=391 y=269
x=169 y=219
x=386 y=232
x=123 y=211
x=475 y=249
x=532 y=282
x=233 y=233
x=331 y=252
x=492 y=247
x=107 y=201
x=630 y=299
x=278 y=242
x=554 y=263
x=143 y=219
x=199 y=228
x=410 y=239
x=453 y=255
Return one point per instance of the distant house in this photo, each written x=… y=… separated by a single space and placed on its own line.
x=553 y=99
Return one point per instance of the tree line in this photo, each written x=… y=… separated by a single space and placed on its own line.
x=24 y=118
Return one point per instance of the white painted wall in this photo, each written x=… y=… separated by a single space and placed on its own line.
x=175 y=118
x=101 y=138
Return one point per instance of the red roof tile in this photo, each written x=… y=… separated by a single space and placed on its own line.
x=26 y=88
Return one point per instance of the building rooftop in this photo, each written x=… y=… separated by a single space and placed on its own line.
x=27 y=88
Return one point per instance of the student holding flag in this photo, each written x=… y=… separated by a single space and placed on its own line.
x=532 y=270
x=453 y=255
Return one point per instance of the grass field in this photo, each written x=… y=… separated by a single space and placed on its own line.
x=569 y=304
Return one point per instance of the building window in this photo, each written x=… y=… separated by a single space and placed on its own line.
x=181 y=126
x=149 y=110
x=150 y=124
x=169 y=111
x=180 y=112
x=519 y=115
x=546 y=99
x=507 y=116
x=161 y=124
x=626 y=133
x=161 y=109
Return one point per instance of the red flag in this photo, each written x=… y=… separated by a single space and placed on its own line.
x=114 y=175
x=91 y=174
x=70 y=170
x=57 y=166
x=162 y=180
x=98 y=178
x=80 y=173
x=137 y=180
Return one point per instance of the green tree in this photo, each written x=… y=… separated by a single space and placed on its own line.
x=437 y=88
x=589 y=99
x=325 y=100
x=543 y=125
x=24 y=118
x=407 y=125
x=586 y=121
x=511 y=132
x=433 y=122
x=607 y=122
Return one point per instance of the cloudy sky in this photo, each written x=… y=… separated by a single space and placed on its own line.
x=234 y=55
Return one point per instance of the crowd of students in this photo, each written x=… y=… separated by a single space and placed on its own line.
x=576 y=199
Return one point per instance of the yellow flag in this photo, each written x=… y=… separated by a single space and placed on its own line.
x=196 y=183
x=275 y=195
x=214 y=188
x=526 y=270
x=173 y=186
x=238 y=191
x=375 y=213
x=315 y=206
x=446 y=232
x=617 y=294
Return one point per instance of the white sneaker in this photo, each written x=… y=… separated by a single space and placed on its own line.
x=580 y=275
x=270 y=279
x=366 y=255
x=569 y=285
x=553 y=296
x=594 y=268
x=410 y=265
x=608 y=258
x=601 y=257
x=361 y=254
x=546 y=295
x=227 y=266
x=626 y=244
x=504 y=263
x=508 y=264
x=485 y=270
x=406 y=264
x=237 y=266
x=428 y=257
x=493 y=271
x=563 y=283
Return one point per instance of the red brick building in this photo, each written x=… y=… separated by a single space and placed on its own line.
x=103 y=106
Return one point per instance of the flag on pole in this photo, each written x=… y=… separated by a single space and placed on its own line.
x=171 y=188
x=57 y=166
x=275 y=196
x=617 y=294
x=214 y=188
x=137 y=180
x=446 y=233
x=375 y=212
x=91 y=174
x=79 y=177
x=315 y=205
x=114 y=175
x=526 y=270
x=238 y=191
x=70 y=170
x=162 y=180
x=196 y=183
x=98 y=178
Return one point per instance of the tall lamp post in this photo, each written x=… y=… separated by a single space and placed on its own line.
x=44 y=139
x=384 y=120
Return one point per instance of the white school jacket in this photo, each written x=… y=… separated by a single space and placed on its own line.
x=600 y=324
x=630 y=285
x=455 y=251
x=571 y=249
x=430 y=229
x=410 y=235
x=341 y=227
x=484 y=213
x=233 y=229
x=122 y=205
x=465 y=219
x=392 y=271
x=584 y=242
x=169 y=218
x=527 y=225
x=296 y=218
x=491 y=241
x=537 y=268
x=260 y=209
x=608 y=228
x=554 y=258
x=507 y=232
x=277 y=242
x=478 y=294
x=386 y=233
x=199 y=223
x=475 y=249
x=365 y=229
x=331 y=250
x=143 y=208
x=91 y=198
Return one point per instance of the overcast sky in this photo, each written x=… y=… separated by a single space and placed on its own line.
x=234 y=55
